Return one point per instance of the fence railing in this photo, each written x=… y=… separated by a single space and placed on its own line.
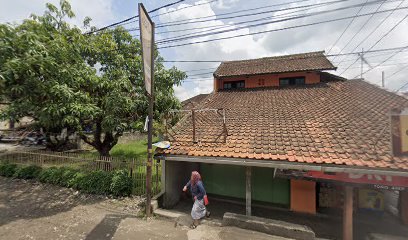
x=89 y=162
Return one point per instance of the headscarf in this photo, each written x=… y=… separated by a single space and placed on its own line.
x=195 y=177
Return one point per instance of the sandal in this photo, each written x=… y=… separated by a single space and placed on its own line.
x=208 y=214
x=192 y=226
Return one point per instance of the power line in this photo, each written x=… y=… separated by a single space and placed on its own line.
x=384 y=60
x=202 y=69
x=341 y=35
x=221 y=26
x=304 y=57
x=375 y=28
x=167 y=40
x=278 y=16
x=178 y=9
x=398 y=71
x=173 y=23
x=361 y=28
x=175 y=10
x=381 y=38
x=198 y=74
x=273 y=30
x=133 y=17
x=187 y=21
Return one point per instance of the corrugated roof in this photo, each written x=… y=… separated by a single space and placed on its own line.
x=312 y=61
x=335 y=122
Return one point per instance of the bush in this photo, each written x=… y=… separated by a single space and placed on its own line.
x=46 y=174
x=28 y=172
x=118 y=183
x=122 y=183
x=67 y=176
x=77 y=180
x=7 y=169
x=97 y=182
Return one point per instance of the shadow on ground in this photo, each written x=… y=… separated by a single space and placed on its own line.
x=107 y=227
x=327 y=225
x=20 y=199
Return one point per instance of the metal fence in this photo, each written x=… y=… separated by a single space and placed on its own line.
x=90 y=162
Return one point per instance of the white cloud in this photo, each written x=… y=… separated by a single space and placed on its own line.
x=99 y=10
x=314 y=38
x=232 y=49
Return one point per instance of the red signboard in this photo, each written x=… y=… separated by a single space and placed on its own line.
x=379 y=181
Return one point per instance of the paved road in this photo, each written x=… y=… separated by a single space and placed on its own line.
x=30 y=210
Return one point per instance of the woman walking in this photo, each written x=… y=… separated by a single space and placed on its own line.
x=200 y=198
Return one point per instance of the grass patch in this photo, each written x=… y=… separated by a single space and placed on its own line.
x=133 y=149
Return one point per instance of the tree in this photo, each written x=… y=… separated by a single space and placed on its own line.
x=65 y=79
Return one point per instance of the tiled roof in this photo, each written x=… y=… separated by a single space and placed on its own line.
x=193 y=102
x=289 y=63
x=335 y=122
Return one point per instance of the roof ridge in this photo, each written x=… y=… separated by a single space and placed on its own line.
x=275 y=57
x=310 y=61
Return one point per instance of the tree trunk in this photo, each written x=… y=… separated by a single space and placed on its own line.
x=104 y=150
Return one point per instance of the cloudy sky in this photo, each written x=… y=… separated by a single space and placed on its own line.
x=382 y=30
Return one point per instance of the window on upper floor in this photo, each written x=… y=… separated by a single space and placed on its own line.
x=288 y=81
x=234 y=85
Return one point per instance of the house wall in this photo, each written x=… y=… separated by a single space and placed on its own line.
x=177 y=174
x=229 y=181
x=267 y=80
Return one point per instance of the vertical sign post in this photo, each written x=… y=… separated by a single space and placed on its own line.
x=147 y=38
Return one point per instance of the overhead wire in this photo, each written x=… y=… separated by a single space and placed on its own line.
x=133 y=17
x=187 y=20
x=376 y=27
x=175 y=39
x=383 y=61
x=361 y=28
x=272 y=30
x=278 y=16
x=347 y=27
x=381 y=38
x=223 y=25
x=304 y=57
x=175 y=10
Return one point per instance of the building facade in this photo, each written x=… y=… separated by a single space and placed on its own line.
x=279 y=131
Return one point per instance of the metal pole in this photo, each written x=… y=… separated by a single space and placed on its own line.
x=383 y=79
x=149 y=139
x=362 y=66
x=248 y=195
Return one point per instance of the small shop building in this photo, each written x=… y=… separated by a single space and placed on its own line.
x=282 y=131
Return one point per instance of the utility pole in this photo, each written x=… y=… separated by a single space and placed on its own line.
x=146 y=26
x=383 y=79
x=362 y=63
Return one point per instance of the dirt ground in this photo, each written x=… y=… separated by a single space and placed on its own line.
x=327 y=225
x=31 y=210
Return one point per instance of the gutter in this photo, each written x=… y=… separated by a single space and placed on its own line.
x=286 y=165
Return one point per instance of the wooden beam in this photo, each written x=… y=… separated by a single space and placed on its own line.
x=248 y=195
x=348 y=213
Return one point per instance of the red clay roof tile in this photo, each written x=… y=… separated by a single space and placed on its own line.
x=334 y=122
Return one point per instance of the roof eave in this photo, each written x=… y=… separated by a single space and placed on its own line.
x=289 y=165
x=254 y=74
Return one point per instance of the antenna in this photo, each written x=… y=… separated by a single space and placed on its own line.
x=363 y=60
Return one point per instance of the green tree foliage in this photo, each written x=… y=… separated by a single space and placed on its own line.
x=51 y=71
